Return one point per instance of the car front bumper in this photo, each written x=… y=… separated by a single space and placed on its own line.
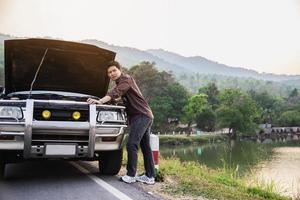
x=32 y=136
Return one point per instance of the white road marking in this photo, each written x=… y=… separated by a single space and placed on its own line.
x=117 y=193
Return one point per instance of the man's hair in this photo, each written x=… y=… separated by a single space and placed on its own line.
x=114 y=63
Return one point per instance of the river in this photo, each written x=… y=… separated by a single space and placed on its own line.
x=272 y=165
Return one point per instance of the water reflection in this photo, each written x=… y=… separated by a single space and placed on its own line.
x=282 y=172
x=244 y=154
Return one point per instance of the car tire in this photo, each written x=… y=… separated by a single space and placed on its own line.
x=110 y=162
x=2 y=170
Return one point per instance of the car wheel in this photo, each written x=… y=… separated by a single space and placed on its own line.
x=110 y=162
x=2 y=169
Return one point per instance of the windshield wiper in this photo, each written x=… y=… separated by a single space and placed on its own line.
x=36 y=73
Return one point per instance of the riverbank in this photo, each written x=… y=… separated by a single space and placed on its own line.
x=192 y=139
x=191 y=180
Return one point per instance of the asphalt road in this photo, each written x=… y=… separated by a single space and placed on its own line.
x=63 y=180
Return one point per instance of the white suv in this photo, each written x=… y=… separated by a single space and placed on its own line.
x=43 y=109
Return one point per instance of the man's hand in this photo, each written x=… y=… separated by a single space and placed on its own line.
x=101 y=101
x=94 y=101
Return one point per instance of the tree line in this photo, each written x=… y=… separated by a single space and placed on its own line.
x=192 y=82
x=212 y=108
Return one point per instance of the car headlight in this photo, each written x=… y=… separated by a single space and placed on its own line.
x=11 y=112
x=108 y=116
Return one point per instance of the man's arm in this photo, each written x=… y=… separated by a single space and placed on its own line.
x=120 y=89
x=115 y=93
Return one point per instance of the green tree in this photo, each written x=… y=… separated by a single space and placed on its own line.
x=268 y=106
x=169 y=105
x=165 y=96
x=161 y=108
x=294 y=93
x=206 y=120
x=211 y=90
x=237 y=111
x=150 y=81
x=195 y=105
x=290 y=118
x=178 y=99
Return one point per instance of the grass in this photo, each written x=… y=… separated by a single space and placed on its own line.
x=196 y=180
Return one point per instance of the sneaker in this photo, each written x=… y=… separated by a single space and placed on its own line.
x=128 y=179
x=145 y=179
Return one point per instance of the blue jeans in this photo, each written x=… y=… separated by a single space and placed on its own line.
x=140 y=135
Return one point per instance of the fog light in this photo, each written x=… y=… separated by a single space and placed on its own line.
x=76 y=115
x=46 y=114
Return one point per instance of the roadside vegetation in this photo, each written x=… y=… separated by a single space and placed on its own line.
x=180 y=179
x=198 y=180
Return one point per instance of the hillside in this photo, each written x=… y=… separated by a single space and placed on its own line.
x=188 y=65
x=131 y=56
x=186 y=68
x=202 y=65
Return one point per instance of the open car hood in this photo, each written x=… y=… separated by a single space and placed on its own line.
x=67 y=66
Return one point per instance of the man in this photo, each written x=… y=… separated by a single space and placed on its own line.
x=140 y=121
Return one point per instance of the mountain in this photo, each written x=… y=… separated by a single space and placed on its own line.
x=181 y=65
x=202 y=65
x=132 y=56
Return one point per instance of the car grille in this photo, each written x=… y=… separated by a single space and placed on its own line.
x=41 y=139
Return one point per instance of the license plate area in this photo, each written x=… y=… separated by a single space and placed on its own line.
x=60 y=149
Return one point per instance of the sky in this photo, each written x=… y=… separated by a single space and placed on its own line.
x=263 y=35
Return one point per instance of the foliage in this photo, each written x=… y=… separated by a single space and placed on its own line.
x=195 y=105
x=166 y=97
x=293 y=102
x=150 y=81
x=243 y=83
x=290 y=118
x=161 y=107
x=206 y=120
x=294 y=93
x=269 y=106
x=237 y=111
x=178 y=98
x=212 y=91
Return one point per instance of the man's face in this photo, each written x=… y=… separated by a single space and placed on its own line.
x=113 y=73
